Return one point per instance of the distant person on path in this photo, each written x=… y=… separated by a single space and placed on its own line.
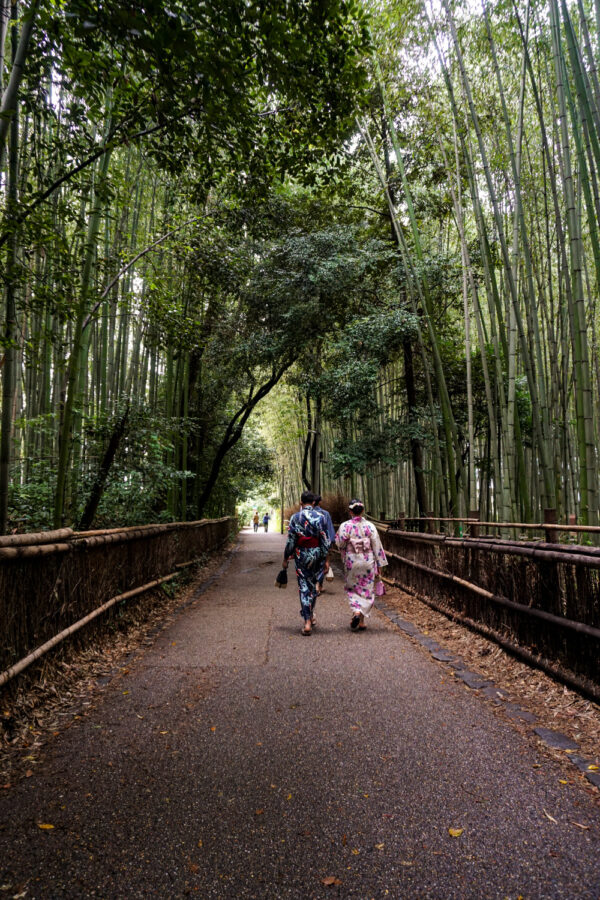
x=330 y=534
x=266 y=518
x=362 y=558
x=308 y=543
x=255 y=521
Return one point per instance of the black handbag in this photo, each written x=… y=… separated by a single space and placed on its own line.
x=281 y=580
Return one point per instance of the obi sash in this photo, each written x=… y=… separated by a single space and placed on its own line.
x=305 y=542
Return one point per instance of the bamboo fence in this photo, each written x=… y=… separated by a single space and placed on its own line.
x=540 y=599
x=51 y=584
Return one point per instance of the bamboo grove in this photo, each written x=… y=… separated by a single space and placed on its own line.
x=483 y=142
x=350 y=246
x=142 y=149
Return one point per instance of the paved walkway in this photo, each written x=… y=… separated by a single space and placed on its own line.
x=240 y=759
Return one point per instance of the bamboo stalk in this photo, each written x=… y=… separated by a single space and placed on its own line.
x=40 y=537
x=511 y=549
x=19 y=549
x=35 y=550
x=531 y=526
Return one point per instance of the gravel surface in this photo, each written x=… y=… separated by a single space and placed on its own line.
x=237 y=758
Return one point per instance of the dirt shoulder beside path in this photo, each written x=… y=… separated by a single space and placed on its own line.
x=236 y=758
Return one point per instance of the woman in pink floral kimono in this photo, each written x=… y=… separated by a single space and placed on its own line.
x=362 y=558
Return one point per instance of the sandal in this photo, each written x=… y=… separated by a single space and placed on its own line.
x=354 y=622
x=362 y=627
x=306 y=630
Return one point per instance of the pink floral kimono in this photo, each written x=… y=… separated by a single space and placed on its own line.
x=362 y=558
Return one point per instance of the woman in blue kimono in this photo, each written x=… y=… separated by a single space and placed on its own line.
x=309 y=544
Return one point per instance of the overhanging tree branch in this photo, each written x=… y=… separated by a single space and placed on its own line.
x=106 y=148
x=235 y=429
x=131 y=262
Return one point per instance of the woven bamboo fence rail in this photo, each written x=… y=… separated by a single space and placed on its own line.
x=53 y=583
x=538 y=599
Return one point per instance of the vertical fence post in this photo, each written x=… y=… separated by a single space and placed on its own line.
x=550 y=519
x=402 y=520
x=430 y=522
x=382 y=516
x=474 y=529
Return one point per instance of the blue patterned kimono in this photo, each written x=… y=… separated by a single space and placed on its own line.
x=309 y=544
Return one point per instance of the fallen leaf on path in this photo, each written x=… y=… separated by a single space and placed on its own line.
x=164 y=732
x=406 y=862
x=213 y=727
x=552 y=819
x=289 y=796
x=355 y=852
x=258 y=812
x=593 y=768
x=562 y=781
x=28 y=773
x=579 y=825
x=199 y=843
x=455 y=832
x=44 y=826
x=330 y=879
x=344 y=840
x=379 y=846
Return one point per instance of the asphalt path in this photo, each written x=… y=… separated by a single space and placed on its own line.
x=237 y=758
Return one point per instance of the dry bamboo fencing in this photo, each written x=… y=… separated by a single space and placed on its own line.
x=51 y=584
x=539 y=599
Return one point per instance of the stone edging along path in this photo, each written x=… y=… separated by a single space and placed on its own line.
x=554 y=739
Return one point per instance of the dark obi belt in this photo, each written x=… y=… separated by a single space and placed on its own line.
x=305 y=542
